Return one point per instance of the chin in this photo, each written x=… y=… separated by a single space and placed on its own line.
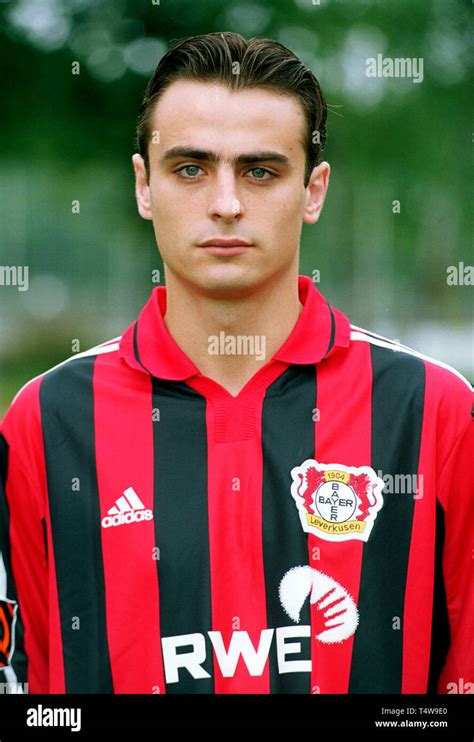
x=228 y=285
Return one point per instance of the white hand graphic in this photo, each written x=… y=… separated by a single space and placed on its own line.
x=337 y=614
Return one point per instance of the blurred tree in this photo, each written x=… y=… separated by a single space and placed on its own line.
x=398 y=209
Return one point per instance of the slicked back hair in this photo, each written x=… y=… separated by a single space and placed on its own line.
x=231 y=60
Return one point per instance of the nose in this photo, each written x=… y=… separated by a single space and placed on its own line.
x=224 y=199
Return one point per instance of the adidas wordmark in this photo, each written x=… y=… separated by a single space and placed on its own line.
x=127 y=509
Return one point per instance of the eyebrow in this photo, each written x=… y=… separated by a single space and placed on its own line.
x=205 y=155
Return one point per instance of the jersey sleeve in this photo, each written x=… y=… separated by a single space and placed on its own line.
x=457 y=477
x=23 y=553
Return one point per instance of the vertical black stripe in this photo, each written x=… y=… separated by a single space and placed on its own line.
x=333 y=331
x=67 y=411
x=397 y=415
x=18 y=660
x=287 y=440
x=181 y=523
x=135 y=347
x=441 y=635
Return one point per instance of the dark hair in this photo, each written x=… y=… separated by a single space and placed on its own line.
x=262 y=63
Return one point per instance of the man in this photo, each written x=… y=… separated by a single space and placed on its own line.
x=242 y=493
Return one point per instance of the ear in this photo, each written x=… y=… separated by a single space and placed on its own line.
x=142 y=189
x=316 y=192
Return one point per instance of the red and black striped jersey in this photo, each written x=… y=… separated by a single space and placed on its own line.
x=313 y=534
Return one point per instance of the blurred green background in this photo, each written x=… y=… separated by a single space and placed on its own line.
x=69 y=137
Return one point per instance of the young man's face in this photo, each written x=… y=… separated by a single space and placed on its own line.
x=192 y=200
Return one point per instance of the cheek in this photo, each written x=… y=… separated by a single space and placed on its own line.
x=176 y=213
x=168 y=215
x=286 y=214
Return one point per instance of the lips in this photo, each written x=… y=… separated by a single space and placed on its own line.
x=225 y=242
x=225 y=246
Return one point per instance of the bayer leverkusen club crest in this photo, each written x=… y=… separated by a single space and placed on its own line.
x=337 y=502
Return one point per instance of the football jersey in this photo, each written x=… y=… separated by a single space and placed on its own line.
x=313 y=534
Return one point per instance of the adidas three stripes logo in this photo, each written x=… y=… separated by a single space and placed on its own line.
x=127 y=509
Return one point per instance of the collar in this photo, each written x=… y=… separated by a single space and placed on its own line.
x=148 y=347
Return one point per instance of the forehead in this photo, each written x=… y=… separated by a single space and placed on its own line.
x=204 y=113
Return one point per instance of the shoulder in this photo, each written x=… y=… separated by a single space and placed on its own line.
x=24 y=410
x=441 y=384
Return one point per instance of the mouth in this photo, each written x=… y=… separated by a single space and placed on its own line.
x=225 y=247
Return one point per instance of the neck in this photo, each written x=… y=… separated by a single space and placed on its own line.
x=207 y=329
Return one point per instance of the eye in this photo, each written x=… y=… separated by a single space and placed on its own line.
x=189 y=176
x=261 y=170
